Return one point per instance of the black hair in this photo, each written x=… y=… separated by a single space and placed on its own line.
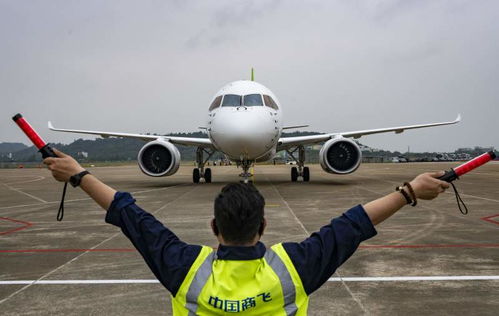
x=239 y=213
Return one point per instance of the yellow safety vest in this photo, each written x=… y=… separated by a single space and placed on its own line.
x=266 y=286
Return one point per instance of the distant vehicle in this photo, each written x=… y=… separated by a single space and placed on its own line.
x=399 y=159
x=464 y=156
x=244 y=122
x=442 y=157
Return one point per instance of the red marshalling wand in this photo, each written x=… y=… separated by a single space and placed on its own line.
x=466 y=167
x=43 y=148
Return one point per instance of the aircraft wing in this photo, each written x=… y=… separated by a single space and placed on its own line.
x=187 y=141
x=288 y=142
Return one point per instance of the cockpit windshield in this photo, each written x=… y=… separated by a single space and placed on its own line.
x=216 y=103
x=253 y=100
x=232 y=100
x=270 y=102
x=238 y=100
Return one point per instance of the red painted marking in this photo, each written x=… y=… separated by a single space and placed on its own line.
x=26 y=225
x=432 y=246
x=488 y=219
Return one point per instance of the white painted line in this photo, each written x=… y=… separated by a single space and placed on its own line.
x=27 y=181
x=477 y=197
x=42 y=278
x=62 y=282
x=417 y=278
x=26 y=205
x=336 y=279
x=27 y=194
x=307 y=233
x=44 y=203
x=158 y=189
x=80 y=199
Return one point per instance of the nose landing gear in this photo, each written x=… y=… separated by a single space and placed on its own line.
x=200 y=172
x=300 y=170
x=245 y=175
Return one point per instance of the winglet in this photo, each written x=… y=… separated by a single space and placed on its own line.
x=458 y=119
x=51 y=126
x=252 y=74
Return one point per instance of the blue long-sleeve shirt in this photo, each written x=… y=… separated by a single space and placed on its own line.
x=316 y=258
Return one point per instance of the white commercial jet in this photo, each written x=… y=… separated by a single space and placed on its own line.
x=245 y=124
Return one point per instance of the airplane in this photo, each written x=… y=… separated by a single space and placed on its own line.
x=245 y=124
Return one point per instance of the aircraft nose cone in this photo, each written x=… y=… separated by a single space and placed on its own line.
x=242 y=135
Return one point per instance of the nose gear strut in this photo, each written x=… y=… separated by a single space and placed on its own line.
x=245 y=175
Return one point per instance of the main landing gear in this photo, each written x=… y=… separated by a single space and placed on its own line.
x=200 y=172
x=300 y=170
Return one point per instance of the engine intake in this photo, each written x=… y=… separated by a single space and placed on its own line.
x=159 y=158
x=340 y=156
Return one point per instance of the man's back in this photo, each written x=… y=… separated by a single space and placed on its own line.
x=240 y=279
x=260 y=286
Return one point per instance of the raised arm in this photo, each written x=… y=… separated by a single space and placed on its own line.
x=65 y=167
x=426 y=186
x=167 y=256
x=317 y=257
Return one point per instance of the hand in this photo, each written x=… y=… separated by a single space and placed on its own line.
x=63 y=167
x=426 y=186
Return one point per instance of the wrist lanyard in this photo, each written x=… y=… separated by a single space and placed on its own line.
x=60 y=212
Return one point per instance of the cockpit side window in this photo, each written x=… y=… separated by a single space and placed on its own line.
x=270 y=102
x=253 y=100
x=232 y=100
x=216 y=103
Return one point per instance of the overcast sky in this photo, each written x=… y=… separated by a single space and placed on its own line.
x=153 y=66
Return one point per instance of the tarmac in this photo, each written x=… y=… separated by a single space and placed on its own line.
x=429 y=259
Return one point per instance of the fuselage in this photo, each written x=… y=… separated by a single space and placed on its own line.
x=244 y=121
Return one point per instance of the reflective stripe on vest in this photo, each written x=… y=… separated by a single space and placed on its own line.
x=288 y=288
x=204 y=272
x=197 y=284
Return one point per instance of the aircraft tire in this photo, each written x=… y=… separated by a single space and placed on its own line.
x=294 y=174
x=207 y=175
x=306 y=174
x=196 y=175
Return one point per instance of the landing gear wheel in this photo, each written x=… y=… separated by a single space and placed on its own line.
x=306 y=174
x=207 y=175
x=294 y=174
x=196 y=175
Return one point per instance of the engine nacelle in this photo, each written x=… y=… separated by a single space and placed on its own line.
x=159 y=158
x=340 y=156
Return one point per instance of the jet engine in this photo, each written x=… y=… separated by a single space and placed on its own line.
x=340 y=156
x=159 y=158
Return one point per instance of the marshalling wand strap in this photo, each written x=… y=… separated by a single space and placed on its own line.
x=460 y=201
x=60 y=212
